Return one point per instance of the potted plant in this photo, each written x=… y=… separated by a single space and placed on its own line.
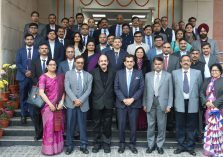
x=13 y=87
x=1 y=131
x=5 y=78
x=9 y=109
x=2 y=98
x=4 y=120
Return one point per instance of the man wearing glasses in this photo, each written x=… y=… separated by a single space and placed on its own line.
x=137 y=43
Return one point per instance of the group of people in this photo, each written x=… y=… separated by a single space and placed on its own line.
x=152 y=76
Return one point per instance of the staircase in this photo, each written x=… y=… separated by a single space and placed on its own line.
x=16 y=134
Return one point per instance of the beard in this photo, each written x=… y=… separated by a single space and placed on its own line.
x=203 y=36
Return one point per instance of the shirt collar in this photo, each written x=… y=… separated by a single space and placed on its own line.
x=188 y=71
x=43 y=58
x=129 y=70
x=29 y=47
x=70 y=60
x=78 y=71
x=158 y=73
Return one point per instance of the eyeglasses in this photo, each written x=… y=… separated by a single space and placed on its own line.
x=137 y=36
x=215 y=70
x=52 y=64
x=79 y=62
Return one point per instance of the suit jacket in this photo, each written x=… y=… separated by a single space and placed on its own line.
x=152 y=42
x=113 y=29
x=111 y=57
x=96 y=35
x=70 y=88
x=41 y=29
x=127 y=39
x=218 y=90
x=179 y=55
x=214 y=48
x=59 y=51
x=21 y=62
x=194 y=90
x=64 y=67
x=168 y=32
x=135 y=90
x=212 y=60
x=98 y=49
x=101 y=93
x=173 y=63
x=69 y=34
x=37 y=41
x=48 y=28
x=65 y=43
x=36 y=70
x=165 y=91
x=131 y=30
x=151 y=54
x=161 y=34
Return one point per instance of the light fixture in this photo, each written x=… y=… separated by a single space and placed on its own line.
x=139 y=16
x=99 y=15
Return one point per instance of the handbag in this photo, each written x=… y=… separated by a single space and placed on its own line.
x=34 y=98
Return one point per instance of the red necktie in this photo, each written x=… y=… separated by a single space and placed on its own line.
x=166 y=62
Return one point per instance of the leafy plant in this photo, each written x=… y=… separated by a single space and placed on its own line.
x=4 y=116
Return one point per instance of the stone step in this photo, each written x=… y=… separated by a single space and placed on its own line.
x=28 y=140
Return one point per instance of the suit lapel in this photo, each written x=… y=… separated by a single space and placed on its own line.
x=180 y=79
x=152 y=80
x=161 y=79
x=67 y=66
x=109 y=76
x=192 y=80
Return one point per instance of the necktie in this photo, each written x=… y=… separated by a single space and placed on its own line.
x=43 y=66
x=84 y=38
x=79 y=81
x=116 y=57
x=157 y=82
x=149 y=42
x=61 y=41
x=129 y=80
x=119 y=31
x=185 y=83
x=29 y=58
x=91 y=33
x=105 y=31
x=166 y=62
x=70 y=65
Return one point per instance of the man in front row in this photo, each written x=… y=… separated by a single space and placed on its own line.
x=129 y=85
x=78 y=88
x=157 y=102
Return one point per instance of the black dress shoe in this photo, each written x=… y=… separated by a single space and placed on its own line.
x=192 y=152
x=84 y=150
x=134 y=150
x=160 y=150
x=96 y=148
x=150 y=150
x=121 y=150
x=106 y=148
x=37 y=138
x=23 y=120
x=178 y=151
x=68 y=151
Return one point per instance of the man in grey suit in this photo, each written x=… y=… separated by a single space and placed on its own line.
x=207 y=58
x=203 y=34
x=187 y=88
x=157 y=101
x=78 y=88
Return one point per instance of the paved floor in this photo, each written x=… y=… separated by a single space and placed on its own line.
x=35 y=151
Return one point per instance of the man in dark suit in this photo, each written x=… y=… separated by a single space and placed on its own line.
x=148 y=37
x=104 y=29
x=84 y=32
x=56 y=49
x=116 y=56
x=166 y=30
x=60 y=34
x=183 y=48
x=129 y=86
x=91 y=24
x=71 y=23
x=102 y=43
x=38 y=68
x=24 y=57
x=52 y=23
x=135 y=25
x=68 y=64
x=41 y=26
x=80 y=20
x=127 y=37
x=208 y=58
x=157 y=31
x=102 y=89
x=116 y=29
x=38 y=39
x=157 y=49
x=65 y=25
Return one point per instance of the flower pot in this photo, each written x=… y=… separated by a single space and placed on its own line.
x=5 y=96
x=4 y=123
x=15 y=104
x=2 y=102
x=1 y=132
x=13 y=89
x=9 y=113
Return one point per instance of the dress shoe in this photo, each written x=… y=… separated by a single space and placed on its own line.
x=133 y=150
x=150 y=150
x=37 y=138
x=68 y=151
x=192 y=152
x=160 y=150
x=96 y=148
x=84 y=150
x=121 y=150
x=23 y=120
x=106 y=148
x=178 y=151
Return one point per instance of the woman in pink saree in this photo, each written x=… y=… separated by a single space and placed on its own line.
x=51 y=89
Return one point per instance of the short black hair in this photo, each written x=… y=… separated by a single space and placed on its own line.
x=84 y=24
x=52 y=15
x=179 y=30
x=33 y=24
x=125 y=24
x=48 y=61
x=65 y=18
x=43 y=43
x=78 y=57
x=51 y=30
x=110 y=35
x=135 y=17
x=137 y=32
x=158 y=36
x=129 y=56
x=157 y=59
x=34 y=12
x=147 y=27
x=206 y=44
x=28 y=35
x=182 y=39
x=218 y=66
x=104 y=18
x=192 y=18
x=192 y=50
x=181 y=58
x=188 y=25
x=79 y=14
x=164 y=17
x=156 y=23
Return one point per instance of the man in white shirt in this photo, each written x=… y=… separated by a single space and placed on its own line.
x=137 y=43
x=135 y=25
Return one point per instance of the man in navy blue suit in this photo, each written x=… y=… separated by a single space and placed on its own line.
x=24 y=57
x=56 y=49
x=129 y=86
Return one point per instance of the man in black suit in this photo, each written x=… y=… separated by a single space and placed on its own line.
x=56 y=49
x=91 y=24
x=103 y=88
x=116 y=29
x=52 y=23
x=61 y=39
x=84 y=32
x=38 y=68
x=104 y=29
x=135 y=25
x=168 y=31
x=80 y=20
x=65 y=25
x=102 y=43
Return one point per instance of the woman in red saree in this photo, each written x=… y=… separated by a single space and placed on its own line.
x=51 y=89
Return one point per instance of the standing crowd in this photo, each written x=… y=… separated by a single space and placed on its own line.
x=151 y=75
